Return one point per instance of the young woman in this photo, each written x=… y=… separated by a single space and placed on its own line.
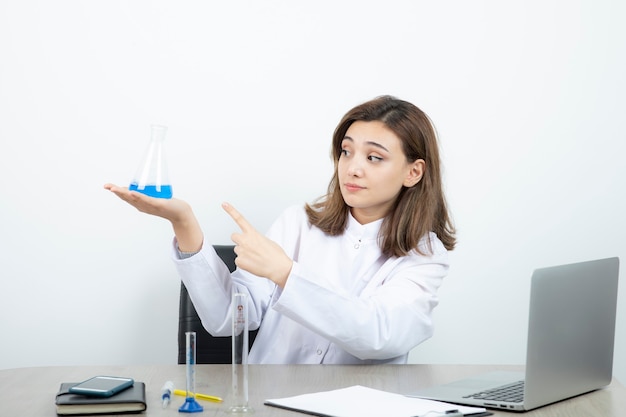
x=350 y=279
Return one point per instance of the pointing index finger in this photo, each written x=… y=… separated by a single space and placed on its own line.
x=237 y=217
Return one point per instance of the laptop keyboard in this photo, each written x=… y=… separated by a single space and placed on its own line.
x=513 y=393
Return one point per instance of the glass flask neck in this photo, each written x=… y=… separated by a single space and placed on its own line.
x=158 y=133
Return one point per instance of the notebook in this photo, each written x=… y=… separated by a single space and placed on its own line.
x=571 y=334
x=131 y=400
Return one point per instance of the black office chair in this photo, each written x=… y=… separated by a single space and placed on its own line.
x=209 y=349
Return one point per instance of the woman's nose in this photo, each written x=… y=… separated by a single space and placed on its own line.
x=355 y=170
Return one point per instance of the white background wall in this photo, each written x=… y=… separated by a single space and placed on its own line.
x=527 y=96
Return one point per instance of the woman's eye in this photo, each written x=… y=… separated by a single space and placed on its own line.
x=374 y=158
x=345 y=152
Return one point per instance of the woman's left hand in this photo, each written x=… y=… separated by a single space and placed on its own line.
x=256 y=253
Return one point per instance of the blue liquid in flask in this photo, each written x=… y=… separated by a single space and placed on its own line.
x=164 y=191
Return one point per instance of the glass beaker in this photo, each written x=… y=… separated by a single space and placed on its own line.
x=152 y=177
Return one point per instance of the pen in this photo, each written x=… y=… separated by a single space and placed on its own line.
x=447 y=413
x=453 y=413
x=166 y=393
x=199 y=396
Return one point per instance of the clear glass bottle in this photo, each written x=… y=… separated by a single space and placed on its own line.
x=152 y=177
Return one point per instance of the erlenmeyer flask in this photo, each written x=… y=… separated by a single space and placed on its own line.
x=152 y=177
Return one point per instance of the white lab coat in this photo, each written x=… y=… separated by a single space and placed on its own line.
x=344 y=302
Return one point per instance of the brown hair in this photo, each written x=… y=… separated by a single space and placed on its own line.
x=419 y=209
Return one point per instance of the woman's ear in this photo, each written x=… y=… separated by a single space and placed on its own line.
x=416 y=172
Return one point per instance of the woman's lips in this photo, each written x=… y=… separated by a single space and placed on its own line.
x=353 y=187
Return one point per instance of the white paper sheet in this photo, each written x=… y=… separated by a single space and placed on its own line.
x=360 y=401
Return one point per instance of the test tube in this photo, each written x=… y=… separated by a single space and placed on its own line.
x=239 y=403
x=190 y=405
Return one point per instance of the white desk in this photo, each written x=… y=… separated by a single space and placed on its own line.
x=30 y=392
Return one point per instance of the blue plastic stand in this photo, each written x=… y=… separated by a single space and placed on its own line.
x=190 y=406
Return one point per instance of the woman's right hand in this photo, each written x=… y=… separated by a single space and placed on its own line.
x=178 y=212
x=171 y=209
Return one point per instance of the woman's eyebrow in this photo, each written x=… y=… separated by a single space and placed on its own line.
x=369 y=142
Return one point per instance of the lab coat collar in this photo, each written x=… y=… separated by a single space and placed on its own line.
x=363 y=232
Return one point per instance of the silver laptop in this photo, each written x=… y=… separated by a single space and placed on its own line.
x=571 y=334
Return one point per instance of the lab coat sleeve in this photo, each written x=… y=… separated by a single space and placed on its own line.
x=386 y=320
x=210 y=286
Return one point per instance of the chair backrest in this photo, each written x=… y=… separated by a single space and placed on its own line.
x=209 y=349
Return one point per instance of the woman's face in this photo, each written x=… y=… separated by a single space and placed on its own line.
x=372 y=170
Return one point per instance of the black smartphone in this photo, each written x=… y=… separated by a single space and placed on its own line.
x=102 y=386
